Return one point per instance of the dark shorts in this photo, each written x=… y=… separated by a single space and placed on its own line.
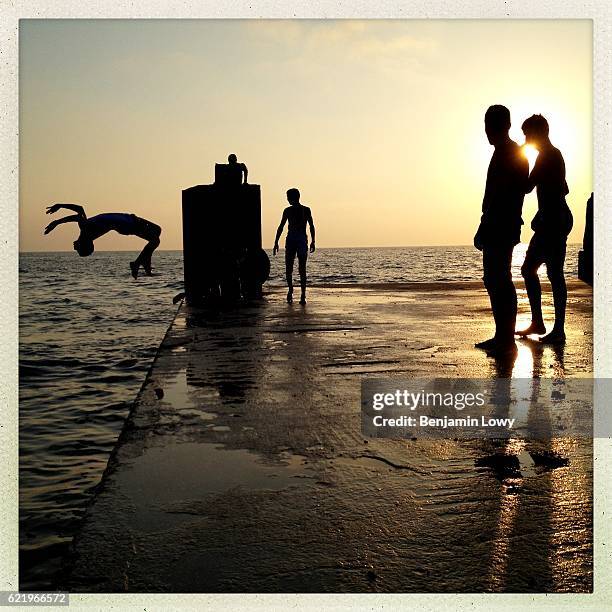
x=146 y=229
x=296 y=246
x=546 y=249
x=497 y=263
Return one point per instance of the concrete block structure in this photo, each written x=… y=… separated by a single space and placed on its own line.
x=222 y=247
x=585 y=256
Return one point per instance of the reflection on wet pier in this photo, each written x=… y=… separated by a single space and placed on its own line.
x=244 y=468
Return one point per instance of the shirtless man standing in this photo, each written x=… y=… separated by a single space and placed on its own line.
x=94 y=227
x=237 y=170
x=500 y=226
x=297 y=241
x=551 y=225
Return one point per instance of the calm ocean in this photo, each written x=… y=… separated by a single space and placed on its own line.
x=88 y=334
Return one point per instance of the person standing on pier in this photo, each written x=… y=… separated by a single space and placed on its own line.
x=298 y=216
x=500 y=226
x=551 y=225
x=94 y=227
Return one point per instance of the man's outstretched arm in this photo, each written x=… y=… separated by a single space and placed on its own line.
x=77 y=208
x=312 y=232
x=68 y=219
x=279 y=232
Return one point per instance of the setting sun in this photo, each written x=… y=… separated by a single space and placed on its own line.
x=530 y=153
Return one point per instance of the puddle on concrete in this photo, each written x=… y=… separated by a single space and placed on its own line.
x=527 y=464
x=188 y=413
x=180 y=322
x=272 y=343
x=176 y=393
x=189 y=472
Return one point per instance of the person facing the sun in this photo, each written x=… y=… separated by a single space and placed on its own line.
x=500 y=226
x=551 y=225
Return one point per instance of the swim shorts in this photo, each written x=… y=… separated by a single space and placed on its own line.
x=146 y=229
x=296 y=245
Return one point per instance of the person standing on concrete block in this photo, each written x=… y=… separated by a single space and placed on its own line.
x=94 y=227
x=298 y=216
x=237 y=170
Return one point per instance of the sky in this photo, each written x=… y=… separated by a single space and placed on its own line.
x=378 y=123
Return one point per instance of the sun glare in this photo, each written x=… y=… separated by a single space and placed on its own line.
x=530 y=153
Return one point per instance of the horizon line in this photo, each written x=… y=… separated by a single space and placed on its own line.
x=405 y=246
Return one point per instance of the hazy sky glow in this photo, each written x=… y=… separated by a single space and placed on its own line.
x=378 y=123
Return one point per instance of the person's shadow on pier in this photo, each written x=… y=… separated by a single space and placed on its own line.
x=526 y=508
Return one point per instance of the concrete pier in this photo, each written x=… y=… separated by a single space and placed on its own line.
x=242 y=467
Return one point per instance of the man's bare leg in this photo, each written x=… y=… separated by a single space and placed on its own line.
x=529 y=271
x=302 y=269
x=134 y=268
x=559 y=291
x=289 y=261
x=144 y=259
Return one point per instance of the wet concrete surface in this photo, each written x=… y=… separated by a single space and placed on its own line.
x=242 y=467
